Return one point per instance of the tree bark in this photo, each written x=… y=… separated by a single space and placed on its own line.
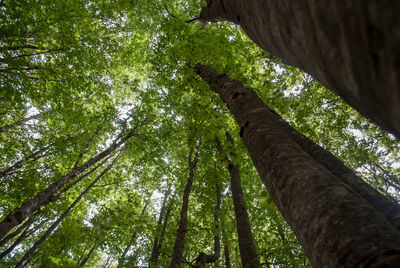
x=227 y=257
x=334 y=224
x=133 y=238
x=20 y=122
x=248 y=252
x=155 y=252
x=44 y=197
x=28 y=255
x=87 y=257
x=24 y=226
x=180 y=237
x=349 y=46
x=27 y=232
x=32 y=157
x=204 y=258
x=389 y=209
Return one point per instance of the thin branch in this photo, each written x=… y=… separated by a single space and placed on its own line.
x=169 y=13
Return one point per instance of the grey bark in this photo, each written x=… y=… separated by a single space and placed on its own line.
x=32 y=157
x=28 y=255
x=248 y=252
x=333 y=223
x=31 y=205
x=349 y=46
x=24 y=226
x=180 y=236
x=87 y=257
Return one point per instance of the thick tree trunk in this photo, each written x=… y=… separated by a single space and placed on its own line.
x=24 y=226
x=248 y=252
x=44 y=197
x=352 y=47
x=180 y=236
x=121 y=260
x=204 y=258
x=28 y=255
x=87 y=257
x=334 y=224
x=382 y=204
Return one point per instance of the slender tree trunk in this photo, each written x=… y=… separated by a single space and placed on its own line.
x=87 y=257
x=44 y=197
x=133 y=238
x=155 y=254
x=227 y=257
x=349 y=46
x=248 y=252
x=181 y=233
x=28 y=255
x=75 y=182
x=334 y=224
x=21 y=238
x=20 y=122
x=204 y=258
x=155 y=250
x=33 y=157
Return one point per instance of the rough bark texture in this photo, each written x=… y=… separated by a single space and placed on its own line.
x=24 y=226
x=352 y=47
x=382 y=204
x=44 y=197
x=121 y=260
x=248 y=252
x=181 y=233
x=334 y=224
x=204 y=258
x=28 y=255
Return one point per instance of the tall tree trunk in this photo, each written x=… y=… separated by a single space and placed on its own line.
x=382 y=204
x=20 y=122
x=349 y=46
x=248 y=252
x=204 y=258
x=44 y=197
x=133 y=238
x=32 y=157
x=21 y=238
x=334 y=224
x=28 y=255
x=87 y=257
x=227 y=257
x=155 y=254
x=155 y=250
x=24 y=226
x=181 y=233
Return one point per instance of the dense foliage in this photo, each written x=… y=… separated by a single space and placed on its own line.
x=76 y=75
